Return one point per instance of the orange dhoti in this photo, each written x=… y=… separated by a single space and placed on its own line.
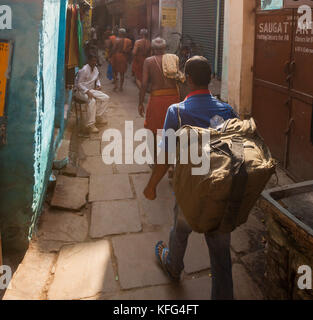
x=160 y=101
x=119 y=62
x=138 y=66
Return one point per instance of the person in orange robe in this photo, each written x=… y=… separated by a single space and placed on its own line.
x=141 y=51
x=164 y=91
x=119 y=57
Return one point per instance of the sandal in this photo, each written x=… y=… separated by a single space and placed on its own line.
x=161 y=252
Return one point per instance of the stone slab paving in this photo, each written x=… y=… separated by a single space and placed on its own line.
x=137 y=264
x=91 y=147
x=70 y=193
x=49 y=245
x=114 y=217
x=132 y=168
x=62 y=226
x=164 y=190
x=197 y=254
x=138 y=123
x=248 y=237
x=158 y=212
x=63 y=150
x=109 y=187
x=95 y=165
x=30 y=279
x=83 y=270
x=195 y=289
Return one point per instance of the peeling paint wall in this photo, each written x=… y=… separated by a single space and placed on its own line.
x=224 y=87
x=241 y=55
x=166 y=31
x=46 y=99
x=25 y=162
x=60 y=85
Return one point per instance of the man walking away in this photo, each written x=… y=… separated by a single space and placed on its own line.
x=197 y=110
x=119 y=57
x=93 y=35
x=88 y=88
x=163 y=90
x=141 y=51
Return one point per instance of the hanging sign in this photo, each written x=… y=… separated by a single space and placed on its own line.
x=169 y=17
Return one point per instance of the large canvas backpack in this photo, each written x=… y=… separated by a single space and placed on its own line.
x=240 y=167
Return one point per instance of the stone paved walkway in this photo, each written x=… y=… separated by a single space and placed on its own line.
x=97 y=241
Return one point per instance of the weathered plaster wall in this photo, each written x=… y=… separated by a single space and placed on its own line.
x=235 y=52
x=16 y=158
x=167 y=32
x=46 y=100
x=60 y=87
x=224 y=87
x=246 y=92
x=241 y=54
x=25 y=162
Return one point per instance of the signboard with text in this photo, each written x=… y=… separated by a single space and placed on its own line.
x=4 y=65
x=297 y=3
x=169 y=17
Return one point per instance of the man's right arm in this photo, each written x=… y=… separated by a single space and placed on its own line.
x=135 y=48
x=144 y=86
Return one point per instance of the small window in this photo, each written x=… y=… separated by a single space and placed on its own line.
x=272 y=4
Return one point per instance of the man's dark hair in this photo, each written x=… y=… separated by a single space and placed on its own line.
x=198 y=68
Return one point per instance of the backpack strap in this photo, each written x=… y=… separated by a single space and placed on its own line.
x=178 y=116
x=239 y=182
x=225 y=126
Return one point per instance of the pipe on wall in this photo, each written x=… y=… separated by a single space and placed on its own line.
x=218 y=16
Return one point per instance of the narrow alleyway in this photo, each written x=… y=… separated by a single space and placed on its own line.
x=96 y=238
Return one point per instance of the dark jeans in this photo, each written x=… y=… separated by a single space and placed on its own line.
x=219 y=250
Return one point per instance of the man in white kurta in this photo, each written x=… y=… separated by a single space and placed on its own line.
x=88 y=88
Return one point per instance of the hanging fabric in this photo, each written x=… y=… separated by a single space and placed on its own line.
x=80 y=38
x=73 y=59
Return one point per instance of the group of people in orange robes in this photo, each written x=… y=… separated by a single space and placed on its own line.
x=148 y=71
x=119 y=49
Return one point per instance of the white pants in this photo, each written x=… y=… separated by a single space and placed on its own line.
x=97 y=106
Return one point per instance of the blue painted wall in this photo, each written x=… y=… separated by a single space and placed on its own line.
x=26 y=160
x=60 y=92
